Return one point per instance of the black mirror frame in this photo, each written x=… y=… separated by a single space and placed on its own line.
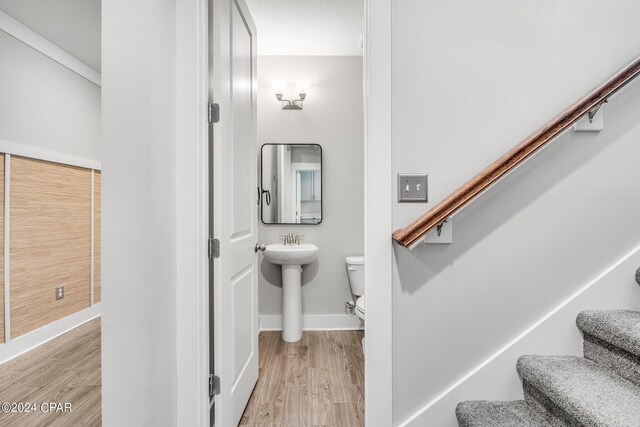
x=262 y=191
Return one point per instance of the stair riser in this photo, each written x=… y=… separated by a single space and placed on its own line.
x=498 y=414
x=554 y=415
x=623 y=363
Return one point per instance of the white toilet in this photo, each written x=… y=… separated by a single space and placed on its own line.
x=355 y=272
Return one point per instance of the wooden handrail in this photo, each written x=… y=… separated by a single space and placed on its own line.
x=411 y=235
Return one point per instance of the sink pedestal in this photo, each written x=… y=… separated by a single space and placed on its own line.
x=291 y=303
x=291 y=258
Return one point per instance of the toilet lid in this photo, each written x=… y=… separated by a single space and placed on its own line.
x=355 y=260
x=360 y=304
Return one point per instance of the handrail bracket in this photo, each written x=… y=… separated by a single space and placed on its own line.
x=592 y=113
x=439 y=227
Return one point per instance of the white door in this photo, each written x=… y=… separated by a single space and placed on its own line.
x=233 y=44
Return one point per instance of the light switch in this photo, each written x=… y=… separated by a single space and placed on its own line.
x=412 y=187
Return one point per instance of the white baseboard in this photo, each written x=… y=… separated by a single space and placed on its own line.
x=27 y=342
x=314 y=322
x=555 y=333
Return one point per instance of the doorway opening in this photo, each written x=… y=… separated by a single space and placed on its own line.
x=287 y=180
x=50 y=212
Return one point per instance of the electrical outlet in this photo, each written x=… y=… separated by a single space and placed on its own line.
x=412 y=187
x=60 y=292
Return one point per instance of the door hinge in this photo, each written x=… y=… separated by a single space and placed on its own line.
x=214 y=385
x=214 y=247
x=214 y=112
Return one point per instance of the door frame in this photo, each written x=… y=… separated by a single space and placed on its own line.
x=193 y=209
x=192 y=213
x=378 y=248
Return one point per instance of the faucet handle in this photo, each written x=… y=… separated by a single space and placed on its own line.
x=297 y=238
x=285 y=239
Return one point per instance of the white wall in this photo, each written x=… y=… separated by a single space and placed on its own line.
x=486 y=75
x=139 y=213
x=333 y=118
x=73 y=25
x=46 y=105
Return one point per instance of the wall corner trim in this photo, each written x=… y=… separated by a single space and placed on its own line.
x=409 y=421
x=34 y=40
x=378 y=223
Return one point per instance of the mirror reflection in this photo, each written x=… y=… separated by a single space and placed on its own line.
x=291 y=190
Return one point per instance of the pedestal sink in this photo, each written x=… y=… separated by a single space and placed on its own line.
x=291 y=258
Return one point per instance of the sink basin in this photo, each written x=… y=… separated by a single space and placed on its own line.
x=280 y=254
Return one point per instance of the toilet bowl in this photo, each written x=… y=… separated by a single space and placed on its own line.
x=360 y=307
x=355 y=272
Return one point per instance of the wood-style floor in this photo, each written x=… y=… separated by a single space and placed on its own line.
x=318 y=381
x=66 y=369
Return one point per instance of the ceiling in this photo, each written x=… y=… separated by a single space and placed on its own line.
x=73 y=25
x=308 y=27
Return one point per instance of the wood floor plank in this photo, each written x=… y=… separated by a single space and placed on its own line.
x=292 y=407
x=339 y=379
x=318 y=381
x=358 y=402
x=352 y=338
x=346 y=415
x=317 y=405
x=297 y=366
x=355 y=362
x=66 y=369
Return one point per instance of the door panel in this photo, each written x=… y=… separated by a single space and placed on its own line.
x=243 y=325
x=243 y=146
x=234 y=209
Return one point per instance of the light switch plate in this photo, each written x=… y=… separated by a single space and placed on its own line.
x=412 y=187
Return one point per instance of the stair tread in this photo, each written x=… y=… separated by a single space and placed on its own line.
x=483 y=413
x=585 y=391
x=620 y=328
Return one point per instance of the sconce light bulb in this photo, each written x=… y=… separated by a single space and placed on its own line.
x=303 y=86
x=279 y=86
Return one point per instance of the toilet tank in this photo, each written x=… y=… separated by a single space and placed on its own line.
x=355 y=271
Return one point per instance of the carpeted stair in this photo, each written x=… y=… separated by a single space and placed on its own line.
x=612 y=340
x=600 y=389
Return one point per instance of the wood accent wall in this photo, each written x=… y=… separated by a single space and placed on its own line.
x=97 y=236
x=50 y=242
x=2 y=337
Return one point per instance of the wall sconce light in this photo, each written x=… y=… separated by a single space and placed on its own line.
x=291 y=104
